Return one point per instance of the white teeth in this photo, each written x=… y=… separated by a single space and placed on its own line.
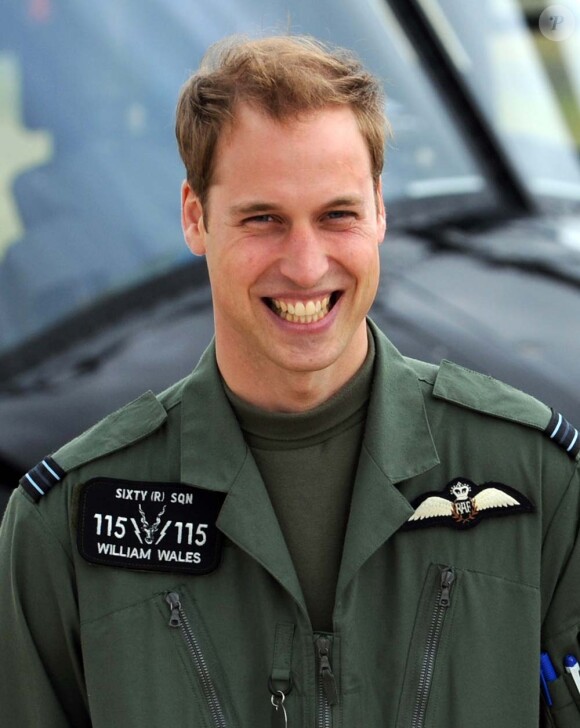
x=302 y=312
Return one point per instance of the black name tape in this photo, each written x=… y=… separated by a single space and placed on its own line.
x=151 y=526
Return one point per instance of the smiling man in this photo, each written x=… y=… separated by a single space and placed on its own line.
x=310 y=530
x=292 y=251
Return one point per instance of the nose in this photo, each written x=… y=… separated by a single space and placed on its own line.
x=304 y=259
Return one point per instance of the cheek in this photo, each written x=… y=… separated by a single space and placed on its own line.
x=362 y=259
x=234 y=270
x=369 y=275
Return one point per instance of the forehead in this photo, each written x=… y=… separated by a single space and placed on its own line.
x=309 y=142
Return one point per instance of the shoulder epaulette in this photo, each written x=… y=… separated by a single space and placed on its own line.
x=563 y=434
x=485 y=394
x=120 y=429
x=38 y=481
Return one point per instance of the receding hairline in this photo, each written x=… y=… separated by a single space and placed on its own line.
x=285 y=77
x=287 y=120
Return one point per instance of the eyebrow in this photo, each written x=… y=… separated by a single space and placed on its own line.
x=345 y=201
x=254 y=208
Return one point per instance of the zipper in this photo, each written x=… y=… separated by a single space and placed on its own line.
x=442 y=603
x=326 y=683
x=280 y=682
x=179 y=620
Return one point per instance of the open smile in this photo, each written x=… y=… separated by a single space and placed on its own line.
x=303 y=312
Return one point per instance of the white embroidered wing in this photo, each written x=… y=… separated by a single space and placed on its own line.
x=493 y=498
x=432 y=507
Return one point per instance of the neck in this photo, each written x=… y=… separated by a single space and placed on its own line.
x=282 y=390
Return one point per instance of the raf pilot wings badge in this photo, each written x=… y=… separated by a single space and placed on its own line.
x=462 y=504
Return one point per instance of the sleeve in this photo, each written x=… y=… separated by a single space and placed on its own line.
x=41 y=675
x=561 y=607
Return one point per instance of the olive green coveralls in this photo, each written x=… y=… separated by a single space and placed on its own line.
x=439 y=621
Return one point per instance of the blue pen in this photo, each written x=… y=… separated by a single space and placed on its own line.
x=547 y=675
x=572 y=668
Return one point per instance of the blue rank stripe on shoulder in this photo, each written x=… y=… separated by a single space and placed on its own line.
x=38 y=481
x=562 y=432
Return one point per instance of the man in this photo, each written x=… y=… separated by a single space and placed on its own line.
x=310 y=530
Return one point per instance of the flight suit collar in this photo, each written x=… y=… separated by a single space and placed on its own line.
x=397 y=435
x=215 y=456
x=213 y=449
x=397 y=445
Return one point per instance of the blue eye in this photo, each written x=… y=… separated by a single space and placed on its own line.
x=338 y=213
x=260 y=218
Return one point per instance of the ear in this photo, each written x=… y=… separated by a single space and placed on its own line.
x=381 y=212
x=192 y=222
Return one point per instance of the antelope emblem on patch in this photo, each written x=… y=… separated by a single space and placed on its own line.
x=463 y=504
x=150 y=531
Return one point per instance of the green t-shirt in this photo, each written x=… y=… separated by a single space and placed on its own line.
x=308 y=462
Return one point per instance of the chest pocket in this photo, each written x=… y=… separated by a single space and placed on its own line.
x=155 y=663
x=473 y=656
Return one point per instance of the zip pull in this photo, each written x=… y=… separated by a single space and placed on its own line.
x=175 y=605
x=447 y=579
x=279 y=716
x=325 y=671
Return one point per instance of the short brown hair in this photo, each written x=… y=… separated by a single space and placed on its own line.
x=282 y=75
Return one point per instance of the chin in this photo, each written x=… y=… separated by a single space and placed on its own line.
x=301 y=362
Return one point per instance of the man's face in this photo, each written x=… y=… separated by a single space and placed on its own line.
x=291 y=243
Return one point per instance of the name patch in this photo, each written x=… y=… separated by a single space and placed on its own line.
x=152 y=526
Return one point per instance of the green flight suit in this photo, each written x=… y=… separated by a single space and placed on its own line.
x=439 y=625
